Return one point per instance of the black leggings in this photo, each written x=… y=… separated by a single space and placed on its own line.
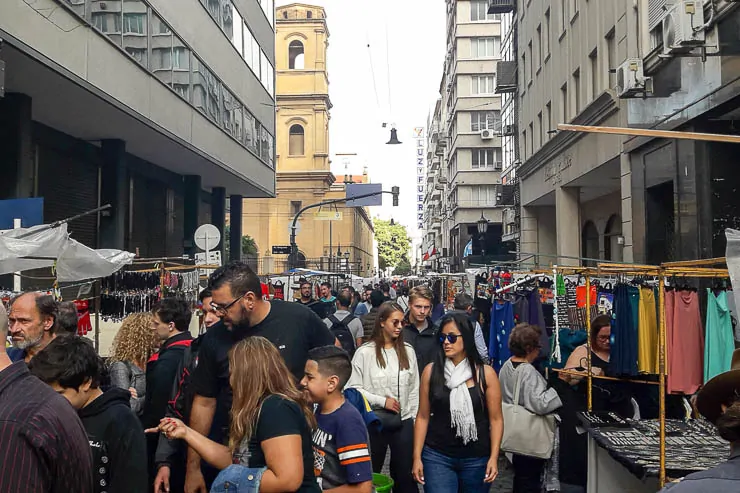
x=401 y=443
x=528 y=474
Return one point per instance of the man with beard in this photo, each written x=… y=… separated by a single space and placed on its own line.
x=292 y=328
x=306 y=294
x=31 y=322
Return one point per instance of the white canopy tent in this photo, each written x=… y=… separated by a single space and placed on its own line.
x=44 y=246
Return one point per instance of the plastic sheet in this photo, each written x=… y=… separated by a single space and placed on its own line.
x=38 y=247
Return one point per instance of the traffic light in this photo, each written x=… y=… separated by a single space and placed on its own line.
x=395 y=191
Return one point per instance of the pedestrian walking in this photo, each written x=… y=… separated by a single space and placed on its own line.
x=419 y=329
x=385 y=371
x=271 y=425
x=524 y=343
x=458 y=430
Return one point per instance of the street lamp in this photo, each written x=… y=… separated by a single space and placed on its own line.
x=482 y=229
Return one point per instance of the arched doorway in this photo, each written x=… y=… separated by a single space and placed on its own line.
x=590 y=243
x=612 y=235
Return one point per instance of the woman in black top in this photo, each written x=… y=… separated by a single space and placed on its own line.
x=459 y=426
x=270 y=422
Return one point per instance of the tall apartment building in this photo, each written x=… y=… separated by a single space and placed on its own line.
x=468 y=140
x=161 y=109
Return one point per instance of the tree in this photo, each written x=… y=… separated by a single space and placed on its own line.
x=393 y=243
x=403 y=268
x=249 y=246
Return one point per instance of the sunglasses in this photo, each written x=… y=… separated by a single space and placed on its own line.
x=451 y=338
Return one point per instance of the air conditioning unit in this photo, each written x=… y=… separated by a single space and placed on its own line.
x=498 y=166
x=442 y=179
x=683 y=27
x=508 y=130
x=486 y=134
x=631 y=80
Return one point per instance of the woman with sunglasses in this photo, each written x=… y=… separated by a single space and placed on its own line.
x=524 y=343
x=384 y=370
x=459 y=427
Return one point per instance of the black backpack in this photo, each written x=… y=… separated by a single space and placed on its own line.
x=340 y=329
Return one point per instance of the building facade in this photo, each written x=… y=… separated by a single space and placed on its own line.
x=304 y=175
x=162 y=110
x=467 y=141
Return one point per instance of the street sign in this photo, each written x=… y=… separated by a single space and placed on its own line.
x=207 y=237
x=328 y=216
x=281 y=250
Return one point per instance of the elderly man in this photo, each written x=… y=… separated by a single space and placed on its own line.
x=31 y=324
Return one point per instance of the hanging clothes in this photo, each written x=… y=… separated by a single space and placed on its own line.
x=685 y=342
x=720 y=342
x=537 y=317
x=647 y=347
x=625 y=321
x=502 y=323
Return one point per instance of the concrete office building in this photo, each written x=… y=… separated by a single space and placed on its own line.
x=468 y=137
x=575 y=193
x=161 y=109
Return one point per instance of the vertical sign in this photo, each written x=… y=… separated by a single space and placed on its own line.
x=421 y=171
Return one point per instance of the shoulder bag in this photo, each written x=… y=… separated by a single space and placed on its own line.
x=526 y=433
x=389 y=420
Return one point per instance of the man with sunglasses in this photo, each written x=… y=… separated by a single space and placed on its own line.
x=237 y=298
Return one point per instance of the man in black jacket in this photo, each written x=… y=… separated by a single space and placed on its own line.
x=171 y=454
x=172 y=326
x=71 y=366
x=419 y=330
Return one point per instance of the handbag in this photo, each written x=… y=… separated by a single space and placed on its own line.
x=389 y=420
x=526 y=433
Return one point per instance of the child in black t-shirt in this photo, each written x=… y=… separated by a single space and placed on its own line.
x=340 y=441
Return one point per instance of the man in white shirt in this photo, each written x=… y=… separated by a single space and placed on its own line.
x=341 y=317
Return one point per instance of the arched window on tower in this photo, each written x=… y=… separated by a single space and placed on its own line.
x=296 y=141
x=295 y=55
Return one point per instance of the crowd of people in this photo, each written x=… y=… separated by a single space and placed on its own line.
x=272 y=397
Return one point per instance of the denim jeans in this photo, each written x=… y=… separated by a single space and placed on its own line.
x=444 y=474
x=238 y=479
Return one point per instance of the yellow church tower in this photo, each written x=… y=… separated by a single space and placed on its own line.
x=304 y=174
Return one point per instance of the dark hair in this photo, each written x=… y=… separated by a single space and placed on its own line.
x=385 y=311
x=376 y=298
x=463 y=301
x=599 y=323
x=206 y=293
x=344 y=299
x=728 y=424
x=174 y=310
x=302 y=282
x=326 y=284
x=384 y=287
x=467 y=330
x=240 y=278
x=69 y=361
x=523 y=339
x=332 y=360
x=405 y=291
x=66 y=321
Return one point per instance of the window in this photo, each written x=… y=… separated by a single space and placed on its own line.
x=295 y=55
x=486 y=158
x=541 y=130
x=548 y=118
x=484 y=84
x=539 y=46
x=479 y=11
x=577 y=91
x=485 y=47
x=611 y=57
x=295 y=207
x=484 y=195
x=268 y=7
x=573 y=8
x=482 y=120
x=250 y=132
x=529 y=61
x=206 y=91
x=524 y=144
x=564 y=113
x=135 y=31
x=78 y=6
x=546 y=38
x=524 y=72
x=531 y=138
x=231 y=117
x=234 y=29
x=249 y=50
x=296 y=141
x=563 y=15
x=593 y=59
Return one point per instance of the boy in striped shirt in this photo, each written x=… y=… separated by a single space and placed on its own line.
x=340 y=442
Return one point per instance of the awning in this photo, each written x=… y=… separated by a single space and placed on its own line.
x=41 y=246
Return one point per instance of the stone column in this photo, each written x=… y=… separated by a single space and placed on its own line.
x=568 y=221
x=192 y=211
x=218 y=215
x=114 y=190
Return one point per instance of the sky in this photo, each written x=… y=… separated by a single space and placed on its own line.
x=406 y=41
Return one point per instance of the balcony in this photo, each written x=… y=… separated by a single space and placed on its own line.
x=501 y=6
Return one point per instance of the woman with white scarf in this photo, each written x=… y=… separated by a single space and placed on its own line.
x=458 y=430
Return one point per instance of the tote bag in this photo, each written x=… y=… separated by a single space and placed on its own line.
x=526 y=433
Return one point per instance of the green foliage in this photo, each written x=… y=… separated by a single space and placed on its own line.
x=403 y=268
x=249 y=247
x=393 y=243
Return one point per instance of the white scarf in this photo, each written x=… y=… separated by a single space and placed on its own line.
x=461 y=406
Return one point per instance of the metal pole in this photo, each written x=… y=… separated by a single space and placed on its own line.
x=96 y=292
x=56 y=224
x=662 y=370
x=589 y=379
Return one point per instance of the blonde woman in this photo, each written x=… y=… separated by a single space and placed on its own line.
x=271 y=422
x=132 y=347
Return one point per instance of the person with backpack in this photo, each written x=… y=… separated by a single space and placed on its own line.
x=346 y=327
